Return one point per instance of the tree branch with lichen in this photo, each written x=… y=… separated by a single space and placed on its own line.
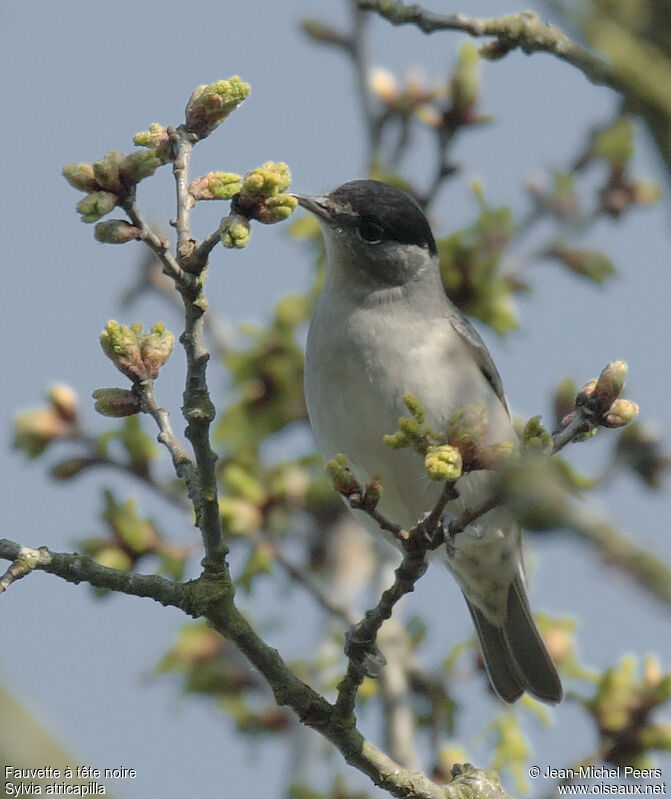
x=523 y=31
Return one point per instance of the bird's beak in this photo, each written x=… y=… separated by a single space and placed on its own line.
x=319 y=206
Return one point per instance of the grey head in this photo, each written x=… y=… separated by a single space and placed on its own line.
x=374 y=232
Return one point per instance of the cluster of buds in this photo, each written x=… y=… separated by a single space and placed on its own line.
x=138 y=355
x=600 y=399
x=108 y=180
x=461 y=448
x=260 y=195
x=210 y=105
x=35 y=429
x=345 y=483
x=402 y=100
x=156 y=139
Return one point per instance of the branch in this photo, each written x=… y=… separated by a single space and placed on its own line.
x=211 y=596
x=523 y=30
x=361 y=639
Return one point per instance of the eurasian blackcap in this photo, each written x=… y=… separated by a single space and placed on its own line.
x=384 y=327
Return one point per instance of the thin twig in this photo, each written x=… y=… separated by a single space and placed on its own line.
x=523 y=30
x=184 y=467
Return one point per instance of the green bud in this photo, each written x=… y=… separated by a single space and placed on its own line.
x=415 y=407
x=70 y=467
x=536 y=438
x=275 y=209
x=96 y=204
x=372 y=494
x=209 y=105
x=234 y=231
x=594 y=265
x=266 y=181
x=610 y=383
x=443 y=463
x=139 y=165
x=319 y=32
x=410 y=428
x=620 y=413
x=116 y=231
x=80 y=176
x=114 y=558
x=216 y=186
x=342 y=479
x=465 y=82
x=397 y=440
x=136 y=354
x=155 y=348
x=106 y=171
x=116 y=402
x=121 y=345
x=156 y=139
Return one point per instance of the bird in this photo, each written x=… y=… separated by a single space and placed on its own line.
x=383 y=327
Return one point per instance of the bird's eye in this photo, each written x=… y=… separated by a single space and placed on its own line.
x=370 y=232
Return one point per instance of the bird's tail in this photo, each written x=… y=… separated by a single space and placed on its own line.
x=515 y=655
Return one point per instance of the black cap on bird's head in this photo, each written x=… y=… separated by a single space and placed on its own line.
x=376 y=211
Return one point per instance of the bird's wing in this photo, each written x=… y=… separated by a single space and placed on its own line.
x=479 y=351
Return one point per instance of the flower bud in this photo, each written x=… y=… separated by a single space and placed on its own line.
x=372 y=494
x=342 y=479
x=120 y=344
x=216 y=186
x=209 y=106
x=80 y=176
x=234 y=231
x=265 y=181
x=116 y=231
x=319 y=32
x=610 y=383
x=275 y=209
x=443 y=463
x=156 y=348
x=535 y=437
x=156 y=139
x=620 y=413
x=465 y=81
x=96 y=204
x=415 y=407
x=116 y=402
x=70 y=467
x=139 y=165
x=64 y=400
x=34 y=430
x=106 y=171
